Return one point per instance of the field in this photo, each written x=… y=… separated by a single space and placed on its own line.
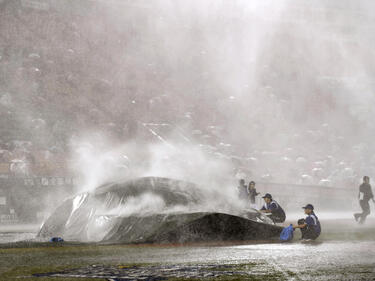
x=344 y=252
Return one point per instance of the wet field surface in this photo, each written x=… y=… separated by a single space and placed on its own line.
x=314 y=261
x=153 y=272
x=12 y=233
x=296 y=261
x=345 y=251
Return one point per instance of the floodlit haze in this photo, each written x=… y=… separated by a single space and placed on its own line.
x=278 y=91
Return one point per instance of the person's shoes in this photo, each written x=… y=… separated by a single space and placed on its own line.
x=356 y=217
x=306 y=240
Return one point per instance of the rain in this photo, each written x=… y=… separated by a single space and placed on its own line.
x=132 y=122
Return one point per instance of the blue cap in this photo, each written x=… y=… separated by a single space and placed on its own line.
x=267 y=196
x=308 y=206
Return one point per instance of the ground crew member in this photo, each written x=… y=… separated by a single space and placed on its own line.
x=242 y=190
x=251 y=190
x=310 y=226
x=272 y=207
x=364 y=195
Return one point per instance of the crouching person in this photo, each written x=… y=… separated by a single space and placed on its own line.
x=272 y=209
x=310 y=226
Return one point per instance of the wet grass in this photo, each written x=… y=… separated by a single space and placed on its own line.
x=352 y=272
x=26 y=259
x=268 y=277
x=22 y=260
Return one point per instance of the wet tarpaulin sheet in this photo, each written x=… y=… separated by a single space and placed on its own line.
x=152 y=210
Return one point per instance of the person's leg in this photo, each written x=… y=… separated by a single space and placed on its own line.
x=273 y=218
x=308 y=232
x=303 y=230
x=276 y=219
x=366 y=210
x=357 y=215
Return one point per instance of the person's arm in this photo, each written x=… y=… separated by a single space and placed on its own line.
x=372 y=197
x=264 y=210
x=304 y=223
x=272 y=208
x=299 y=225
x=371 y=194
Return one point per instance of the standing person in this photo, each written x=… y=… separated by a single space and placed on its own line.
x=271 y=206
x=364 y=195
x=242 y=190
x=310 y=226
x=251 y=190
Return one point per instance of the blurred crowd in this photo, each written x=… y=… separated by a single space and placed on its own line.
x=81 y=66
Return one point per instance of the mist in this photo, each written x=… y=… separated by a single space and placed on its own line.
x=205 y=91
x=126 y=127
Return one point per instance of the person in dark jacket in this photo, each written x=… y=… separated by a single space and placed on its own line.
x=242 y=190
x=364 y=195
x=251 y=190
x=272 y=207
x=310 y=226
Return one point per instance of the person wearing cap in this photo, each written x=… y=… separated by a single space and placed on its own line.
x=310 y=226
x=364 y=195
x=251 y=190
x=271 y=207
